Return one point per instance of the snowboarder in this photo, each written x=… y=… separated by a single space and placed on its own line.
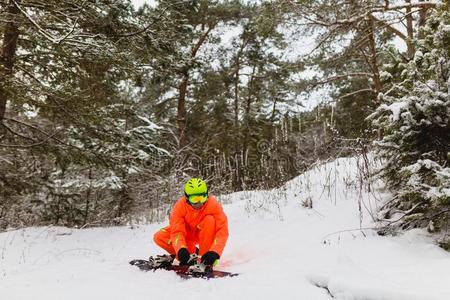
x=197 y=218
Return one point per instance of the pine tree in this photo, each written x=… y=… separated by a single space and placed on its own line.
x=415 y=119
x=68 y=130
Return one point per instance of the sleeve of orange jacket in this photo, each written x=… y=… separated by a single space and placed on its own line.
x=178 y=225
x=221 y=237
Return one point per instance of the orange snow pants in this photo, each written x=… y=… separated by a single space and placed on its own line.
x=203 y=236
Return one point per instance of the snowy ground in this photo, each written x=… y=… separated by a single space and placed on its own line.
x=280 y=248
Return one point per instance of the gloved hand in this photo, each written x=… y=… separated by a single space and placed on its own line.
x=209 y=258
x=183 y=256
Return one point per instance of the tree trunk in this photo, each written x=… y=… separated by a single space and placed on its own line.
x=373 y=57
x=422 y=19
x=236 y=93
x=274 y=106
x=247 y=111
x=183 y=87
x=88 y=198
x=236 y=83
x=9 y=46
x=181 y=115
x=410 y=31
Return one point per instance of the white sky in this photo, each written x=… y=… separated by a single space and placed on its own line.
x=138 y=3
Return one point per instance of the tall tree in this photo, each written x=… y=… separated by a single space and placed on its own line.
x=63 y=72
x=353 y=31
x=8 y=52
x=193 y=25
x=415 y=118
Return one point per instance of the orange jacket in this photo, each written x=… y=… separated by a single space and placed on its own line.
x=184 y=218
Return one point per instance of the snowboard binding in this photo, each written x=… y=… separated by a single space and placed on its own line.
x=199 y=269
x=161 y=261
x=196 y=270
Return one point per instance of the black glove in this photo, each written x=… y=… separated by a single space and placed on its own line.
x=183 y=256
x=209 y=258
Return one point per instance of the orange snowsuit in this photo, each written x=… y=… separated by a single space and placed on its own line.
x=207 y=227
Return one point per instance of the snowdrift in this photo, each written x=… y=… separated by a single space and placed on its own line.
x=310 y=239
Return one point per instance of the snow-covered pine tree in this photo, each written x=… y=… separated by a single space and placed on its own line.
x=415 y=120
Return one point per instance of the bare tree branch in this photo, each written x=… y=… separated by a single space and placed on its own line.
x=32 y=145
x=343 y=76
x=389 y=27
x=357 y=92
x=370 y=10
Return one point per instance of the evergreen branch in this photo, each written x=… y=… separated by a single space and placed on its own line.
x=52 y=136
x=16 y=133
x=323 y=40
x=26 y=72
x=32 y=145
x=405 y=214
x=43 y=32
x=374 y=9
x=363 y=39
x=74 y=23
x=148 y=26
x=7 y=161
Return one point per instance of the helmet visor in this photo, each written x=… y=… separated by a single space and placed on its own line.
x=198 y=198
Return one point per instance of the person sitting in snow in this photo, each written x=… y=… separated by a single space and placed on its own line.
x=197 y=218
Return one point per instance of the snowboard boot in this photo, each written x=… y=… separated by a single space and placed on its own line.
x=161 y=261
x=192 y=260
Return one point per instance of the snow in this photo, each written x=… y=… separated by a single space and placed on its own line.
x=396 y=109
x=139 y=3
x=281 y=249
x=152 y=126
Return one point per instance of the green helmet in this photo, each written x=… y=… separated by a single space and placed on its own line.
x=195 y=186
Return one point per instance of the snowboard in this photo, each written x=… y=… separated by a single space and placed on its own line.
x=182 y=271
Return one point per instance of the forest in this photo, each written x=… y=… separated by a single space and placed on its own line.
x=107 y=108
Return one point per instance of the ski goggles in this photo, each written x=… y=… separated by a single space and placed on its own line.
x=198 y=198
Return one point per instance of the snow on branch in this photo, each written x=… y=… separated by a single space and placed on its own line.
x=42 y=31
x=371 y=11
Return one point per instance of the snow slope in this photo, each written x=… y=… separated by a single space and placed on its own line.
x=281 y=249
